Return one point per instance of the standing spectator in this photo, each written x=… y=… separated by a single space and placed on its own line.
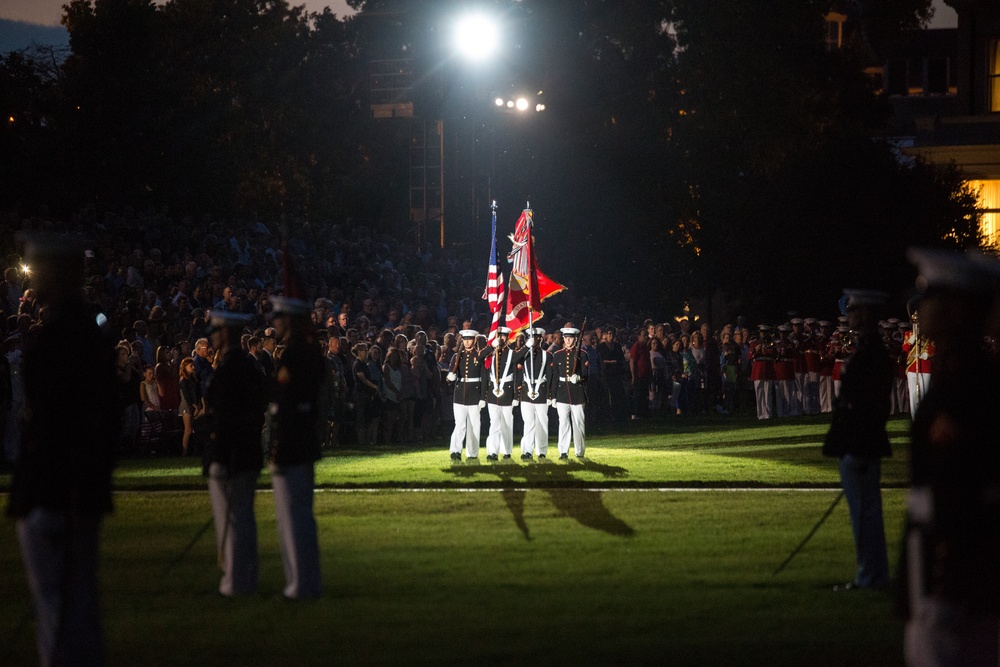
x=366 y=397
x=858 y=437
x=13 y=407
x=713 y=369
x=190 y=406
x=421 y=378
x=336 y=390
x=392 y=380
x=658 y=382
x=678 y=377
x=62 y=482
x=129 y=373
x=615 y=371
x=696 y=371
x=642 y=374
x=203 y=368
x=166 y=380
x=10 y=291
x=730 y=373
x=597 y=392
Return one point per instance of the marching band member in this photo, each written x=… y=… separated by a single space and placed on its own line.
x=762 y=355
x=919 y=351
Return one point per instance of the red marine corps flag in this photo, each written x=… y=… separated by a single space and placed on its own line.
x=494 y=283
x=528 y=285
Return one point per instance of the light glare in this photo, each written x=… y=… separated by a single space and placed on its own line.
x=522 y=104
x=476 y=37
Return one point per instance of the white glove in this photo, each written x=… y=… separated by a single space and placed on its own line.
x=496 y=342
x=482 y=404
x=552 y=402
x=515 y=403
x=530 y=342
x=452 y=377
x=574 y=378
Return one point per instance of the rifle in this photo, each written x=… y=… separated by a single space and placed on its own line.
x=579 y=344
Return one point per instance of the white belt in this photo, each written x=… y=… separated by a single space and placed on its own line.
x=469 y=379
x=503 y=380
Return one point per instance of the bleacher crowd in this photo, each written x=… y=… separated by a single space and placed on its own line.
x=387 y=315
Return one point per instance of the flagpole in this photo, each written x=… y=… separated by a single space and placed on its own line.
x=506 y=287
x=531 y=223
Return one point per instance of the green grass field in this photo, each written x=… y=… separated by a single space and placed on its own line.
x=659 y=548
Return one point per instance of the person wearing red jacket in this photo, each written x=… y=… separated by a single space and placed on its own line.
x=919 y=352
x=762 y=356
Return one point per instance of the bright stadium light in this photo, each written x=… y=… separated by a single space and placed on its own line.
x=539 y=107
x=522 y=104
x=498 y=101
x=476 y=37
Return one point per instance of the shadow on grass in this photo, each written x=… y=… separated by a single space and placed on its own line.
x=583 y=505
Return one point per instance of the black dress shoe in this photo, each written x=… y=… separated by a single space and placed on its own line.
x=455 y=456
x=506 y=456
x=491 y=457
x=527 y=457
x=563 y=457
x=541 y=456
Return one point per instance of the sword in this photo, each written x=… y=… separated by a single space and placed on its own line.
x=808 y=537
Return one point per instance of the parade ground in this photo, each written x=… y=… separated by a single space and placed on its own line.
x=666 y=545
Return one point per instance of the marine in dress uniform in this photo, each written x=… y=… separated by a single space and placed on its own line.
x=812 y=361
x=857 y=436
x=894 y=343
x=762 y=357
x=951 y=592
x=235 y=401
x=825 y=366
x=61 y=486
x=295 y=445
x=466 y=375
x=498 y=391
x=841 y=344
x=784 y=374
x=566 y=392
x=919 y=352
x=532 y=382
x=796 y=341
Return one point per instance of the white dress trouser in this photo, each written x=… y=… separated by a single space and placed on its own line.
x=918 y=384
x=466 y=430
x=764 y=391
x=826 y=393
x=810 y=395
x=299 y=545
x=235 y=528
x=902 y=395
x=60 y=554
x=536 y=428
x=501 y=436
x=571 y=426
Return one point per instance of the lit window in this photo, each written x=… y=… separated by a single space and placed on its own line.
x=995 y=75
x=989 y=202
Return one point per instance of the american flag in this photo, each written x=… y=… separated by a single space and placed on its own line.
x=494 y=283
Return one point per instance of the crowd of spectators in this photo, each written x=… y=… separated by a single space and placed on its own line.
x=386 y=311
